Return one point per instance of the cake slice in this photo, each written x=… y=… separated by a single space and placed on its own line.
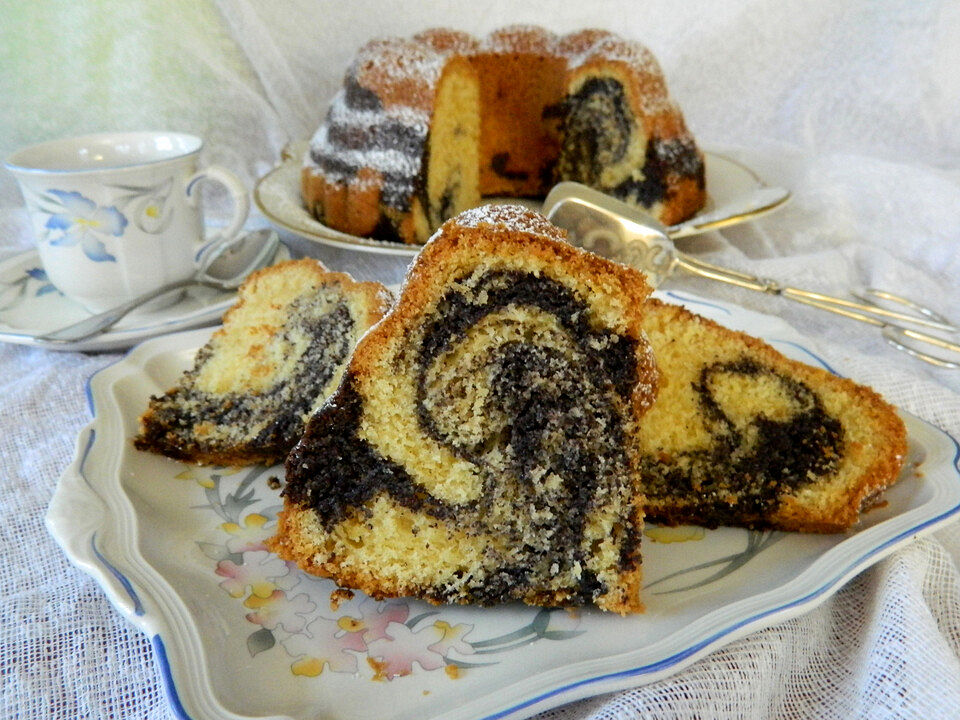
x=482 y=447
x=280 y=353
x=741 y=435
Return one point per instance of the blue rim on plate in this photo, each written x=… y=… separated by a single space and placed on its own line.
x=569 y=689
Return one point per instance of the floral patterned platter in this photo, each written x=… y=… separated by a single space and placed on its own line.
x=31 y=306
x=239 y=633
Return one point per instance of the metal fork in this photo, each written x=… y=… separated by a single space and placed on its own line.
x=600 y=223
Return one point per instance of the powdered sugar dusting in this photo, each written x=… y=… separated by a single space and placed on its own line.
x=397 y=59
x=520 y=39
x=394 y=81
x=386 y=161
x=610 y=48
x=513 y=217
x=340 y=114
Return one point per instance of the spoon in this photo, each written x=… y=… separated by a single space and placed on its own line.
x=263 y=243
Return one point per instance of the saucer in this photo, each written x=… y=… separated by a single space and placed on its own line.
x=30 y=306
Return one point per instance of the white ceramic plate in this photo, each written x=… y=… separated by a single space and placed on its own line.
x=31 y=306
x=277 y=194
x=240 y=634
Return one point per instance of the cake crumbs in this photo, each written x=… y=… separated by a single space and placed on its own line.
x=338 y=597
x=452 y=671
x=274 y=483
x=378 y=669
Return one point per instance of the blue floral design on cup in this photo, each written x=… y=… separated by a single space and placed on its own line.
x=40 y=275
x=80 y=220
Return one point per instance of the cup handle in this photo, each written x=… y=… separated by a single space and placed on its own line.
x=226 y=239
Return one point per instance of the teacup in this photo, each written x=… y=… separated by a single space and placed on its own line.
x=118 y=214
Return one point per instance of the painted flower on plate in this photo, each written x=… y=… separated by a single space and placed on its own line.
x=80 y=220
x=251 y=535
x=395 y=654
x=451 y=638
x=377 y=616
x=259 y=571
x=325 y=642
x=280 y=611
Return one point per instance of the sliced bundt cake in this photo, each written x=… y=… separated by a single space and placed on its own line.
x=425 y=126
x=483 y=444
x=280 y=353
x=741 y=435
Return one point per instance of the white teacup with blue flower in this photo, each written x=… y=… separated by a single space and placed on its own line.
x=118 y=214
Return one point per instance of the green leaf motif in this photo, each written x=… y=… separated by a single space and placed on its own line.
x=214 y=551
x=560 y=634
x=540 y=622
x=259 y=641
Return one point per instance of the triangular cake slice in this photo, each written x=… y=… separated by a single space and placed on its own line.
x=280 y=353
x=741 y=435
x=482 y=447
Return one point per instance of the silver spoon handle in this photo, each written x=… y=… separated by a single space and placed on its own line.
x=96 y=324
x=871 y=314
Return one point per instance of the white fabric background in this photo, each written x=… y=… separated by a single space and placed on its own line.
x=851 y=104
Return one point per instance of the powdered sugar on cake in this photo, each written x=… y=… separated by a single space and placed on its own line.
x=515 y=217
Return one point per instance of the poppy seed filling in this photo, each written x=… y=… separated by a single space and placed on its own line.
x=734 y=478
x=552 y=443
x=273 y=418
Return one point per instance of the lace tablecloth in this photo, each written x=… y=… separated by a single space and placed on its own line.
x=851 y=105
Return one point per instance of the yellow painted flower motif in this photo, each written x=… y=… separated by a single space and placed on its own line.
x=451 y=638
x=308 y=667
x=152 y=211
x=280 y=610
x=249 y=536
x=205 y=477
x=258 y=600
x=258 y=571
x=681 y=533
x=351 y=624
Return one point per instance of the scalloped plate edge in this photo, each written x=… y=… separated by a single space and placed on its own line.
x=120 y=573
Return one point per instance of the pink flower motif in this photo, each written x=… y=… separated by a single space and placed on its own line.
x=249 y=536
x=395 y=653
x=258 y=572
x=279 y=611
x=452 y=639
x=377 y=616
x=324 y=642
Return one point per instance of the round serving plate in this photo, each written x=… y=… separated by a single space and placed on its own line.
x=277 y=194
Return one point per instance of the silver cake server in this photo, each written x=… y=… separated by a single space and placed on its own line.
x=611 y=228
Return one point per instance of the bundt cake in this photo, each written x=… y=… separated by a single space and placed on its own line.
x=741 y=435
x=482 y=446
x=280 y=353
x=423 y=128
